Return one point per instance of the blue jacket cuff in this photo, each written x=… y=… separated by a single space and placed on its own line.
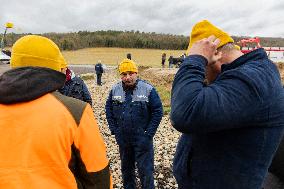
x=197 y=60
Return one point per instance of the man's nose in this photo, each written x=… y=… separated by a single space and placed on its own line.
x=127 y=76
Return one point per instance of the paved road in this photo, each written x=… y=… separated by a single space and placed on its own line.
x=4 y=67
x=79 y=69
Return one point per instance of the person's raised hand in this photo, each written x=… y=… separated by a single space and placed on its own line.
x=207 y=47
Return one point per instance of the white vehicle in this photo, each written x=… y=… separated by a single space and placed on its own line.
x=4 y=58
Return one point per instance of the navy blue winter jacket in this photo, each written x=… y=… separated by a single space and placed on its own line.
x=277 y=165
x=131 y=112
x=76 y=88
x=99 y=68
x=236 y=123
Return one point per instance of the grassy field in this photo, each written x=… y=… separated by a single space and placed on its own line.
x=113 y=56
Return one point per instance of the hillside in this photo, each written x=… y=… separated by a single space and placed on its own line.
x=128 y=39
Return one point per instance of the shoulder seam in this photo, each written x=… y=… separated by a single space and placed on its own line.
x=74 y=106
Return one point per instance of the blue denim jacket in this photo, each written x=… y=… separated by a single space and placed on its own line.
x=236 y=123
x=133 y=112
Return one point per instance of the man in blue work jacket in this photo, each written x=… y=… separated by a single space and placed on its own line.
x=234 y=124
x=134 y=111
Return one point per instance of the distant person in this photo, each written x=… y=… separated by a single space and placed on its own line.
x=181 y=59
x=48 y=140
x=134 y=111
x=236 y=122
x=171 y=61
x=128 y=56
x=99 y=72
x=164 y=57
x=75 y=87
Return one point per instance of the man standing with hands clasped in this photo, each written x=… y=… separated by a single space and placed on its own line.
x=235 y=123
x=134 y=111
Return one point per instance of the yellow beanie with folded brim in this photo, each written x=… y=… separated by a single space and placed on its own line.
x=127 y=65
x=34 y=50
x=204 y=29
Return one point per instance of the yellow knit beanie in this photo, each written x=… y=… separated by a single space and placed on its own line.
x=204 y=29
x=127 y=65
x=34 y=50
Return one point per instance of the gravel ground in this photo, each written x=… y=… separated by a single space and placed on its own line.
x=165 y=139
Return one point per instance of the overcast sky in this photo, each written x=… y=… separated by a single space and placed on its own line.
x=264 y=18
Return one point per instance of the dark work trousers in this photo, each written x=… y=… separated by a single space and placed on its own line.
x=144 y=158
x=99 y=79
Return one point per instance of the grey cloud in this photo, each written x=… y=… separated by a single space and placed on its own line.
x=237 y=17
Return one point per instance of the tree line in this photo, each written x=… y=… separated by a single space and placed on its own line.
x=126 y=39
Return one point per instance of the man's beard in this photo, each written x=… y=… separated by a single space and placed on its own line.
x=127 y=86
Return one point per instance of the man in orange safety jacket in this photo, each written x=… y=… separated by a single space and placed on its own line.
x=47 y=140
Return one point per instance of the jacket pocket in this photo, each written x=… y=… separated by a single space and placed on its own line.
x=143 y=140
x=140 y=109
x=117 y=110
x=137 y=108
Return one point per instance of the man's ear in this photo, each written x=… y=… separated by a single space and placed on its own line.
x=217 y=56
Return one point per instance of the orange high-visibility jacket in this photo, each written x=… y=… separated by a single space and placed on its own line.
x=48 y=140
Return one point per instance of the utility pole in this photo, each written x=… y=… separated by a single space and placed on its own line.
x=8 y=25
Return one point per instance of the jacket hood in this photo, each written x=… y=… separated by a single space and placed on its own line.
x=28 y=83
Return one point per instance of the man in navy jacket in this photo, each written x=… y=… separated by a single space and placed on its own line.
x=75 y=87
x=99 y=71
x=236 y=122
x=134 y=111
